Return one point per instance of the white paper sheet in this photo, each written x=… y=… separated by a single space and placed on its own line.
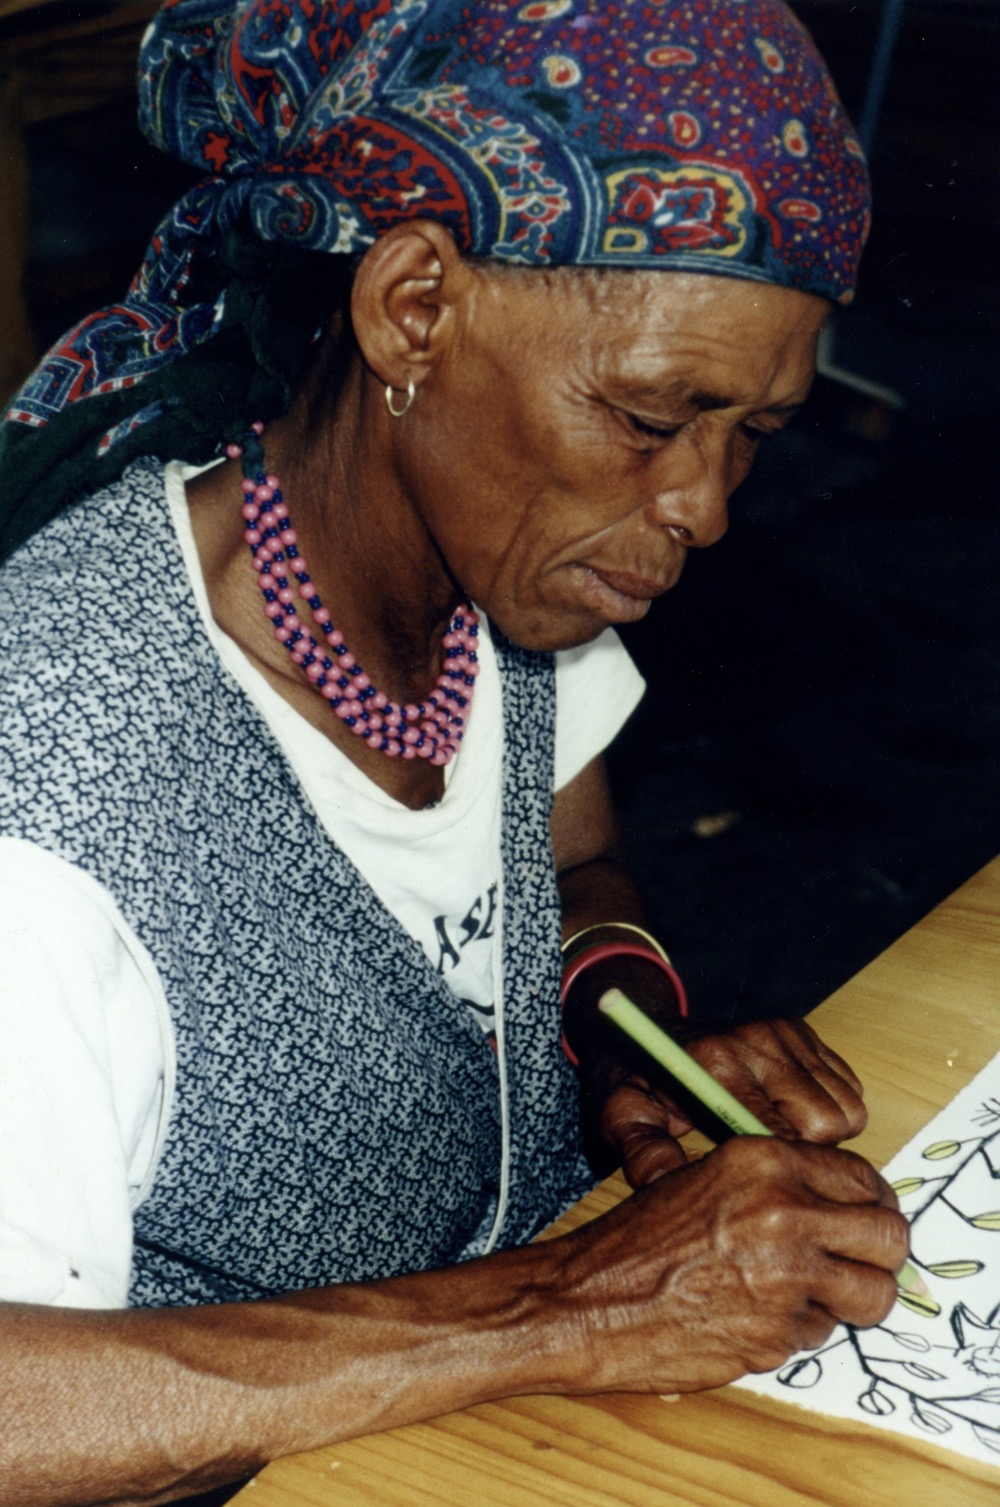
x=930 y=1375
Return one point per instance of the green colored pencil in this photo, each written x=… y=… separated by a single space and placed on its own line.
x=708 y=1091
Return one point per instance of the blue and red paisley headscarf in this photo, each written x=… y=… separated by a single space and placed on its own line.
x=694 y=135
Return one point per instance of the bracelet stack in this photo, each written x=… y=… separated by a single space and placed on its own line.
x=636 y=944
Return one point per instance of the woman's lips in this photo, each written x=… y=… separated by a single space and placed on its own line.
x=620 y=596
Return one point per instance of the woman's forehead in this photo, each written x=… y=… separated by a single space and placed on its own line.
x=655 y=342
x=664 y=332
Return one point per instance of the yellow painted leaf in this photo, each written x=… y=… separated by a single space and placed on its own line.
x=925 y=1306
x=987 y=1221
x=941 y=1149
x=907 y=1185
x=956 y=1268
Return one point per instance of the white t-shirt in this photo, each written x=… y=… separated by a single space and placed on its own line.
x=81 y=1127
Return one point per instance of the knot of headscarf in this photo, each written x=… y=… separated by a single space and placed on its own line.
x=691 y=135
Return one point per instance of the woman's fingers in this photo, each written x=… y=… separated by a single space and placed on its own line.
x=642 y=1127
x=839 y=1112
x=840 y=1219
x=734 y=1263
x=864 y=1299
x=832 y=1059
x=782 y=1072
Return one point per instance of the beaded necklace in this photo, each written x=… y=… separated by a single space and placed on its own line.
x=431 y=730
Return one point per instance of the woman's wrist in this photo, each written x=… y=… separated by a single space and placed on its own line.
x=611 y=933
x=622 y=962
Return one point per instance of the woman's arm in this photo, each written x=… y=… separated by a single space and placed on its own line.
x=780 y=1069
x=727 y=1266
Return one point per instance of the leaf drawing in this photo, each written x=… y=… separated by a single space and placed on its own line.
x=942 y=1149
x=907 y=1185
x=876 y=1401
x=933 y=1422
x=952 y=1269
x=989 y=1437
x=802 y=1373
x=910 y=1341
x=924 y=1304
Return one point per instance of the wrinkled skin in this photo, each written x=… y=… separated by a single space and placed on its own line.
x=571 y=438
x=779 y=1069
x=770 y=1243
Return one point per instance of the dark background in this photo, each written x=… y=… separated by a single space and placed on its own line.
x=815 y=764
x=825 y=684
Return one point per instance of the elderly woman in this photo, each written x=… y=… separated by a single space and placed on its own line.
x=466 y=339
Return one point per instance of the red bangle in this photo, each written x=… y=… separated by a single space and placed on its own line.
x=591 y=955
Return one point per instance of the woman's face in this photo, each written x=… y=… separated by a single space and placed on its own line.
x=581 y=432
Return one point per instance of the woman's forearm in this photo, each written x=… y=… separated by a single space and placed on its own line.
x=151 y=1405
x=147 y=1405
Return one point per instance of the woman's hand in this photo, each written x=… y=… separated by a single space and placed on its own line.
x=726 y=1266
x=789 y=1078
x=780 y=1070
x=633 y=1112
x=732 y=1264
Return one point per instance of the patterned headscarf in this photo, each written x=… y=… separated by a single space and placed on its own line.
x=692 y=135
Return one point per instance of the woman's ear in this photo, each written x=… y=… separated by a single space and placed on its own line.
x=403 y=298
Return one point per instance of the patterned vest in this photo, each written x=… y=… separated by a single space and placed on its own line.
x=337 y=1111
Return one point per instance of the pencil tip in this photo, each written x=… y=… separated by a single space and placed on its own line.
x=910 y=1279
x=914 y=1292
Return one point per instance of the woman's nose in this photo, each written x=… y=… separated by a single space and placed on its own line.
x=693 y=501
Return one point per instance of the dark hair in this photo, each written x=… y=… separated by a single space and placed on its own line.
x=277 y=301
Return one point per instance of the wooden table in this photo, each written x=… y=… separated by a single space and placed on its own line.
x=917 y=1024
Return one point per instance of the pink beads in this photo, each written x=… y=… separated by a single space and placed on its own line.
x=432 y=730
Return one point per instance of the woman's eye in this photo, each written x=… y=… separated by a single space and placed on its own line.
x=756 y=436
x=656 y=431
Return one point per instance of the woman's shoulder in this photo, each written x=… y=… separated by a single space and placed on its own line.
x=72 y=596
x=89 y=608
x=91 y=570
x=597 y=689
x=99 y=526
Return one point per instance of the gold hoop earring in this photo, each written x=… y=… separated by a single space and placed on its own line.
x=411 y=393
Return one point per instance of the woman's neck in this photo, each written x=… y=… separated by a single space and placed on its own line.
x=373 y=566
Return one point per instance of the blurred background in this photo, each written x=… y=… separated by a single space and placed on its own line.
x=816 y=763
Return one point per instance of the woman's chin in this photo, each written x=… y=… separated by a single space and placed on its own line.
x=552 y=630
